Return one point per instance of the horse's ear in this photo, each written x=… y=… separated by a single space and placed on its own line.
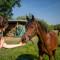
x=33 y=17
x=27 y=18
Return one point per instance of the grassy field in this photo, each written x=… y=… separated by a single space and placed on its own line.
x=28 y=52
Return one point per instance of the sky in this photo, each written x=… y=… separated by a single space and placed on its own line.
x=48 y=10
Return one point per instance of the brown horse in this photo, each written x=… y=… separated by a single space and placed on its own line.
x=47 y=43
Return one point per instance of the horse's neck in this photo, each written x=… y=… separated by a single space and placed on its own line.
x=41 y=33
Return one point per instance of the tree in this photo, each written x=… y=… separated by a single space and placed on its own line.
x=21 y=18
x=57 y=27
x=6 y=7
x=50 y=27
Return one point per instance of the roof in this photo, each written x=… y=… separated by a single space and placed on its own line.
x=23 y=22
x=17 y=20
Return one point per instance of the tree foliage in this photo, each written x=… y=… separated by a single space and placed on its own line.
x=6 y=7
x=57 y=27
x=21 y=18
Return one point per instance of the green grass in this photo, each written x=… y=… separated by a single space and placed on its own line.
x=28 y=52
x=20 y=53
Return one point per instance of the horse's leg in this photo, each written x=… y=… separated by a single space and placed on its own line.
x=40 y=50
x=52 y=55
x=40 y=55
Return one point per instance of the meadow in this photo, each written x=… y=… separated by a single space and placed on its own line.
x=27 y=52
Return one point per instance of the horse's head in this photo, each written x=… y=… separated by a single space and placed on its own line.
x=33 y=27
x=30 y=29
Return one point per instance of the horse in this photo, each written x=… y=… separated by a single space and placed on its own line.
x=47 y=42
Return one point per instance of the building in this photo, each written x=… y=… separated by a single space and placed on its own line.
x=15 y=28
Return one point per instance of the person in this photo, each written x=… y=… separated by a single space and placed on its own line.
x=3 y=44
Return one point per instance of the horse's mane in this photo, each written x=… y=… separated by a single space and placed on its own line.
x=44 y=27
